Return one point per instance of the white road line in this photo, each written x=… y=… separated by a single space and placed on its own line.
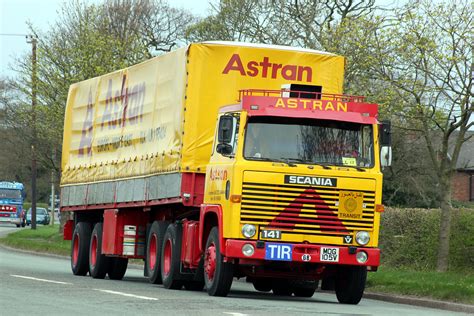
x=36 y=279
x=128 y=295
x=235 y=314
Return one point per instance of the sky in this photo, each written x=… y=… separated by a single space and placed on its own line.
x=14 y=15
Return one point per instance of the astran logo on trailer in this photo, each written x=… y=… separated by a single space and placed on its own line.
x=326 y=182
x=266 y=69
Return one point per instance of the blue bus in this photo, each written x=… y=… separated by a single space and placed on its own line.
x=12 y=196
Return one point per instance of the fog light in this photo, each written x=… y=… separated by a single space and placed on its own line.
x=362 y=238
x=248 y=250
x=362 y=257
x=249 y=230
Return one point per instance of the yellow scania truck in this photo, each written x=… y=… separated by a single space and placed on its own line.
x=226 y=160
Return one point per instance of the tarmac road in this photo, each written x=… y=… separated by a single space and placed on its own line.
x=42 y=285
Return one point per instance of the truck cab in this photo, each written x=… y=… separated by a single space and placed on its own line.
x=297 y=178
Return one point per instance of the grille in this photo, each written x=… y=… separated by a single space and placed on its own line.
x=301 y=210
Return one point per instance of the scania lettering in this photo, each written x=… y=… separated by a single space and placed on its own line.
x=232 y=161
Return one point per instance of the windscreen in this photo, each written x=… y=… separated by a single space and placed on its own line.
x=309 y=141
x=10 y=194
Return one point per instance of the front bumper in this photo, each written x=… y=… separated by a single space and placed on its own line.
x=304 y=253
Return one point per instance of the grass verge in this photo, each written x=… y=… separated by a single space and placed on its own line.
x=44 y=239
x=449 y=286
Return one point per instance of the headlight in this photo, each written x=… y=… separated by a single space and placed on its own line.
x=248 y=250
x=362 y=257
x=249 y=230
x=362 y=238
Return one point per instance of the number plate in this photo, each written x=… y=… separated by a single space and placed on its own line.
x=329 y=254
x=270 y=234
x=279 y=252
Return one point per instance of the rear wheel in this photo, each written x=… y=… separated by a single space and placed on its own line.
x=98 y=263
x=153 y=251
x=262 y=285
x=117 y=268
x=282 y=288
x=80 y=248
x=171 y=258
x=350 y=284
x=218 y=274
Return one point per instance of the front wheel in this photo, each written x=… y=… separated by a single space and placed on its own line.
x=218 y=274
x=350 y=284
x=80 y=248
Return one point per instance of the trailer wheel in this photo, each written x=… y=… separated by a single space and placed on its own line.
x=171 y=258
x=218 y=274
x=98 y=263
x=117 y=268
x=262 y=284
x=305 y=288
x=153 y=252
x=350 y=284
x=282 y=288
x=80 y=248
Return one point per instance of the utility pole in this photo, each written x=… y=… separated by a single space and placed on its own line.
x=33 y=40
x=53 y=197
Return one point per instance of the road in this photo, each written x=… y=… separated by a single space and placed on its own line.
x=39 y=285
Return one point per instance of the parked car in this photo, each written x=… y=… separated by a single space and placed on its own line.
x=42 y=216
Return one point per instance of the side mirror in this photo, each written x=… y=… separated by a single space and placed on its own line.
x=386 y=156
x=385 y=132
x=224 y=149
x=226 y=129
x=226 y=135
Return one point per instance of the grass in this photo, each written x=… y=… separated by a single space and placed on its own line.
x=448 y=286
x=43 y=239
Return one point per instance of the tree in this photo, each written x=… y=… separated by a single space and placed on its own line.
x=426 y=55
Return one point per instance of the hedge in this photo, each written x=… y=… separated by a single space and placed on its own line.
x=409 y=238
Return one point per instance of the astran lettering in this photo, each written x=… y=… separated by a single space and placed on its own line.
x=328 y=182
x=267 y=69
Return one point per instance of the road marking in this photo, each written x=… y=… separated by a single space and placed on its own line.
x=235 y=314
x=128 y=295
x=36 y=279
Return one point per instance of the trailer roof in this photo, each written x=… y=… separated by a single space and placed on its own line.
x=268 y=46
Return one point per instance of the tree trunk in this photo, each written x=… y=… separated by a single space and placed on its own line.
x=445 y=225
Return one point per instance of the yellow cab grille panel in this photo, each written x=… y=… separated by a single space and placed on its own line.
x=297 y=209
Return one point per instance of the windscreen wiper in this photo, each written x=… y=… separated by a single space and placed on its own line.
x=272 y=160
x=306 y=162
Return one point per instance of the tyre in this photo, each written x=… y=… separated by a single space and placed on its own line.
x=153 y=251
x=262 y=285
x=17 y=225
x=304 y=288
x=117 y=268
x=350 y=284
x=218 y=274
x=80 y=248
x=171 y=258
x=282 y=288
x=98 y=263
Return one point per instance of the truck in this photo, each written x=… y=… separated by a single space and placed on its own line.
x=225 y=160
x=12 y=196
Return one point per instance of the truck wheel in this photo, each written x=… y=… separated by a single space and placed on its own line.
x=262 y=285
x=117 y=268
x=80 y=248
x=218 y=274
x=98 y=263
x=153 y=251
x=304 y=288
x=171 y=258
x=350 y=284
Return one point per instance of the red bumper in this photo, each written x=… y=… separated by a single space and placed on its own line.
x=304 y=253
